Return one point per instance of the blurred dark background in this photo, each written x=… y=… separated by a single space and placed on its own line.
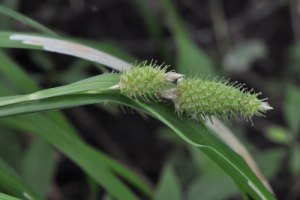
x=250 y=41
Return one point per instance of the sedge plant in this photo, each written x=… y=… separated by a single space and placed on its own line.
x=142 y=87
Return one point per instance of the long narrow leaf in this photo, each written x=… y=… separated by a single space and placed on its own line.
x=26 y=20
x=6 y=21
x=26 y=84
x=12 y=183
x=95 y=84
x=168 y=186
x=192 y=132
x=62 y=124
x=6 y=197
x=83 y=155
x=228 y=137
x=38 y=166
x=19 y=78
x=190 y=57
x=60 y=45
x=37 y=42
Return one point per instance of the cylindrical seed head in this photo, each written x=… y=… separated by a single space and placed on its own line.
x=200 y=99
x=143 y=81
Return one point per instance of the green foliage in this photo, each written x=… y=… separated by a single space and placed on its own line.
x=13 y=183
x=6 y=21
x=291 y=108
x=79 y=94
x=42 y=126
x=190 y=58
x=26 y=20
x=216 y=186
x=279 y=135
x=10 y=147
x=52 y=128
x=168 y=186
x=96 y=164
x=38 y=165
x=207 y=180
x=6 y=197
x=19 y=79
x=243 y=55
x=295 y=160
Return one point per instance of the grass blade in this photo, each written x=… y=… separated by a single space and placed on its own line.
x=6 y=21
x=194 y=133
x=168 y=186
x=12 y=183
x=89 y=159
x=153 y=27
x=224 y=188
x=86 y=157
x=38 y=166
x=6 y=197
x=62 y=124
x=25 y=84
x=229 y=138
x=17 y=76
x=26 y=20
x=190 y=57
x=60 y=45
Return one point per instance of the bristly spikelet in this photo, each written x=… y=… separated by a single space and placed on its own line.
x=200 y=99
x=144 y=81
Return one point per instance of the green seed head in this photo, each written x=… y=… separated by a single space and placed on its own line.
x=197 y=98
x=200 y=99
x=143 y=81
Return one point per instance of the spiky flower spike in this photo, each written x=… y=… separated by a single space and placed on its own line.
x=200 y=99
x=143 y=81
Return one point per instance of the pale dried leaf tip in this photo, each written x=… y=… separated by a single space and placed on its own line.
x=117 y=86
x=27 y=196
x=73 y=49
x=168 y=94
x=264 y=106
x=173 y=76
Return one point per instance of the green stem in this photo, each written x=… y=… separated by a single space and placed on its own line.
x=14 y=100
x=53 y=92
